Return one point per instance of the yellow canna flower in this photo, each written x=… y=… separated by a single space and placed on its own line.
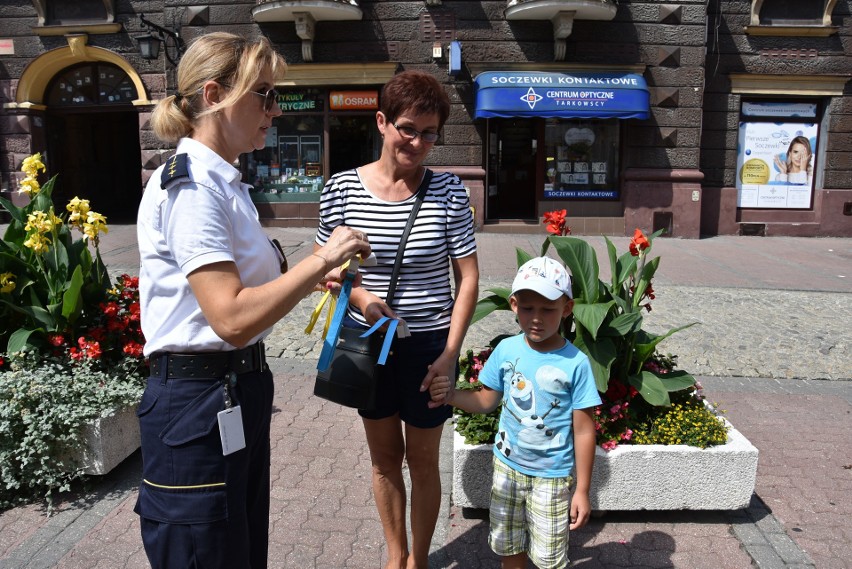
x=38 y=243
x=7 y=282
x=79 y=211
x=29 y=186
x=95 y=223
x=41 y=222
x=32 y=164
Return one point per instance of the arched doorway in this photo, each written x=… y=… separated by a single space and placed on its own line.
x=92 y=131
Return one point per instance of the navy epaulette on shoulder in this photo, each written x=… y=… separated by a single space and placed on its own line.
x=176 y=170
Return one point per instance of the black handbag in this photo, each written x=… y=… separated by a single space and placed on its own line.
x=353 y=376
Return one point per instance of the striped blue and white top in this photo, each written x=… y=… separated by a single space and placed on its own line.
x=443 y=230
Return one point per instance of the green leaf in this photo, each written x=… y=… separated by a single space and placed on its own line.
x=18 y=340
x=591 y=316
x=34 y=312
x=601 y=355
x=16 y=212
x=650 y=387
x=613 y=261
x=626 y=265
x=71 y=299
x=582 y=261
x=522 y=256
x=676 y=380
x=623 y=324
x=647 y=274
x=646 y=343
x=489 y=304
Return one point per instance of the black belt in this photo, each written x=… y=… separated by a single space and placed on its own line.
x=208 y=364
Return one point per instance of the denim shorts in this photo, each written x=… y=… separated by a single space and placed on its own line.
x=399 y=385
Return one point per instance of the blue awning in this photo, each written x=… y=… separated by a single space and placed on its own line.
x=561 y=95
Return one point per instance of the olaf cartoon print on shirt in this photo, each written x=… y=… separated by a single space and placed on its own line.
x=530 y=403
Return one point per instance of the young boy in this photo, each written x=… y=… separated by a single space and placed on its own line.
x=546 y=426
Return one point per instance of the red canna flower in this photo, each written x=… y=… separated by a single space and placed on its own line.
x=556 y=223
x=638 y=243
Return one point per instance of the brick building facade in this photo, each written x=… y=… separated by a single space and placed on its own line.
x=640 y=113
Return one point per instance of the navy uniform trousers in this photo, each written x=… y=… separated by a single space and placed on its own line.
x=200 y=509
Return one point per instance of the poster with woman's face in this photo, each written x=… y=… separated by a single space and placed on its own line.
x=775 y=163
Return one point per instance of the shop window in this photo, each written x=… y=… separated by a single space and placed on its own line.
x=321 y=132
x=290 y=166
x=776 y=154
x=582 y=159
x=91 y=84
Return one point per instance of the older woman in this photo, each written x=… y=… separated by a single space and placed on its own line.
x=211 y=288
x=377 y=199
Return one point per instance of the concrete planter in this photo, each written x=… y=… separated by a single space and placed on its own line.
x=107 y=441
x=636 y=477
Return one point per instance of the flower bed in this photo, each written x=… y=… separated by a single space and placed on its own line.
x=70 y=347
x=636 y=477
x=661 y=445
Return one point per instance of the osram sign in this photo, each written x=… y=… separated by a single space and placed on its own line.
x=354 y=100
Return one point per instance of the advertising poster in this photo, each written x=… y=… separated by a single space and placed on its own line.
x=775 y=165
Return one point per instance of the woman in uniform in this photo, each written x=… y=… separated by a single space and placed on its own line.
x=211 y=288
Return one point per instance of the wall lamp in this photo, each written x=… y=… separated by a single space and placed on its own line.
x=149 y=45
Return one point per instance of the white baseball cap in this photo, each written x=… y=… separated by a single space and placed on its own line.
x=544 y=276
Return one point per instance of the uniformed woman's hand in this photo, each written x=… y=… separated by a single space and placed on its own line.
x=344 y=244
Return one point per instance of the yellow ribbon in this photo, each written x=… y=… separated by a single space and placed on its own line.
x=332 y=303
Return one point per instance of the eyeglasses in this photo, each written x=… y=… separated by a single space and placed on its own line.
x=411 y=134
x=270 y=98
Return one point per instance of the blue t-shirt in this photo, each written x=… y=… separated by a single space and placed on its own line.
x=540 y=392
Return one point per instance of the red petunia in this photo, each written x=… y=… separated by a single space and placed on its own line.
x=110 y=308
x=132 y=348
x=55 y=340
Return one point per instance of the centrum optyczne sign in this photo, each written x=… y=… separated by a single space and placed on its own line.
x=561 y=95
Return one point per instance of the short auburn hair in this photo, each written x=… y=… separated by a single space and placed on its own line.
x=415 y=91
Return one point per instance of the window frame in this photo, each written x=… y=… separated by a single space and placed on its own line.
x=819 y=27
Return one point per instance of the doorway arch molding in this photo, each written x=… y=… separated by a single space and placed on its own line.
x=37 y=75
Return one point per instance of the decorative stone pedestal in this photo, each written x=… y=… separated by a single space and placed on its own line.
x=636 y=477
x=108 y=441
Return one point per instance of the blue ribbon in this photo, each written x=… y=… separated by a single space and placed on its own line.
x=331 y=338
x=336 y=323
x=386 y=344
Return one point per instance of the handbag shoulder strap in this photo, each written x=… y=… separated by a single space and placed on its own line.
x=418 y=201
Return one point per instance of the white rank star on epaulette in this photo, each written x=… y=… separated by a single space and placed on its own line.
x=176 y=170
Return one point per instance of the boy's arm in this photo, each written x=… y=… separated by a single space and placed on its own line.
x=584 y=459
x=443 y=392
x=483 y=400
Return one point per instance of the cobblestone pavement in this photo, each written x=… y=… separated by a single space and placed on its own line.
x=772 y=315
